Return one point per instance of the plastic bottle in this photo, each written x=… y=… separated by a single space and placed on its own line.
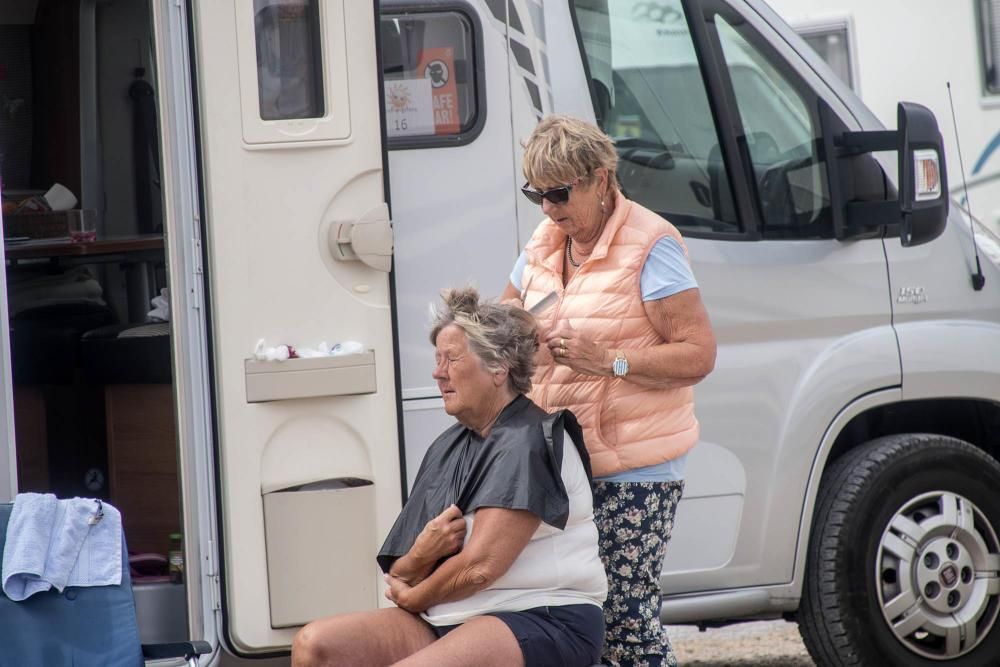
x=175 y=558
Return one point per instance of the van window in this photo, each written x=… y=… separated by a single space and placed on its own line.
x=428 y=67
x=289 y=65
x=650 y=98
x=783 y=137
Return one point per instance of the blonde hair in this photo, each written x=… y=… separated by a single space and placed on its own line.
x=562 y=148
x=500 y=334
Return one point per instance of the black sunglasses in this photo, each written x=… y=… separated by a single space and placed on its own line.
x=558 y=195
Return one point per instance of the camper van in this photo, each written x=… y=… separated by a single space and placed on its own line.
x=310 y=173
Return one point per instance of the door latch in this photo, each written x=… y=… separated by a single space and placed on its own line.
x=368 y=239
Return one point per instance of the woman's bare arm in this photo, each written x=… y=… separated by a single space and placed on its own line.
x=689 y=352
x=498 y=538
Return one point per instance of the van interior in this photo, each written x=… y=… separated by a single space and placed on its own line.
x=89 y=319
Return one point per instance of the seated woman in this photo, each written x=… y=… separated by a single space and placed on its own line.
x=493 y=560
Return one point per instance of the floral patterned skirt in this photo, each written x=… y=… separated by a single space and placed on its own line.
x=634 y=522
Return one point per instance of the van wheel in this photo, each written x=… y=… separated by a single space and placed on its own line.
x=903 y=566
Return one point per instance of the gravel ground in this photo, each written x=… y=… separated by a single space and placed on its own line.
x=758 y=644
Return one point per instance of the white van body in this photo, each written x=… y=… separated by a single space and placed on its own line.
x=292 y=472
x=912 y=68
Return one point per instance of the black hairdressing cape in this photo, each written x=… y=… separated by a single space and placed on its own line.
x=517 y=466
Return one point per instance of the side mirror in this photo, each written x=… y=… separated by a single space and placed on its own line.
x=923 y=196
x=922 y=208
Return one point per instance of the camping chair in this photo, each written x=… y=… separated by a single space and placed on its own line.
x=83 y=626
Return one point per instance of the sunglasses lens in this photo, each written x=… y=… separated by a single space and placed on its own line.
x=558 y=195
x=533 y=196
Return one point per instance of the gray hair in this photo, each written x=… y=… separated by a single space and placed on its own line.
x=502 y=335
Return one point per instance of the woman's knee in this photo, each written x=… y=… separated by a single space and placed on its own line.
x=310 y=648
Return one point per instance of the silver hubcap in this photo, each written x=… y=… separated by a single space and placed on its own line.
x=938 y=570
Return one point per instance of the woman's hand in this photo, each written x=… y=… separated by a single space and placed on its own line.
x=442 y=536
x=569 y=349
x=511 y=295
x=398 y=592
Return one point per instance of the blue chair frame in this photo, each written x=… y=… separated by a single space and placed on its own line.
x=83 y=626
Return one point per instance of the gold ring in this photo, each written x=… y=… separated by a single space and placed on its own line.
x=562 y=350
x=562 y=343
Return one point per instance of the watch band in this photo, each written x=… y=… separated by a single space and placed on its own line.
x=620 y=365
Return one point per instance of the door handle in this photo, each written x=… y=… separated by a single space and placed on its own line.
x=368 y=239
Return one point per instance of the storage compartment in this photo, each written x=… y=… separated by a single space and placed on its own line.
x=308 y=378
x=335 y=519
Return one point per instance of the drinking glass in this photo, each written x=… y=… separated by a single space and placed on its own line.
x=82 y=225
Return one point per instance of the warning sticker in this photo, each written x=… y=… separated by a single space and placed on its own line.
x=438 y=66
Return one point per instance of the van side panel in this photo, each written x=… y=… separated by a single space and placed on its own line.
x=946 y=329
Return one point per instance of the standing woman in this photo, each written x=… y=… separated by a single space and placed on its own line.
x=623 y=344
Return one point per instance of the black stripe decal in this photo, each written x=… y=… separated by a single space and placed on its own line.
x=523 y=56
x=536 y=99
x=515 y=20
x=496 y=8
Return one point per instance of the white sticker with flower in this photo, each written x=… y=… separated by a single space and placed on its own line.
x=409 y=108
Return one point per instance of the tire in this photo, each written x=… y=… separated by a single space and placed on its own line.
x=942 y=495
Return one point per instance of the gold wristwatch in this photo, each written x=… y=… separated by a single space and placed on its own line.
x=620 y=365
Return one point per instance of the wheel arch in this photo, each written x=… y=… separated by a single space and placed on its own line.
x=882 y=413
x=974 y=420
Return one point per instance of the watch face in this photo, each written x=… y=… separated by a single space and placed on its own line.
x=620 y=367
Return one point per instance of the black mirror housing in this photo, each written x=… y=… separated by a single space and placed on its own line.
x=923 y=195
x=922 y=208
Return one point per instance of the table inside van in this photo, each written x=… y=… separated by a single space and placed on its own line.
x=135 y=252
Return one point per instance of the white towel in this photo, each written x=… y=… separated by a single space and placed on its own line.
x=58 y=543
x=161 y=307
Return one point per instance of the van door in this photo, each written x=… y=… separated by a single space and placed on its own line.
x=718 y=128
x=299 y=250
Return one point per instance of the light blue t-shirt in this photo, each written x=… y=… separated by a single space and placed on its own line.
x=665 y=273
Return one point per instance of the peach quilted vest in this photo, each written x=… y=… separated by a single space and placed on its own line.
x=625 y=425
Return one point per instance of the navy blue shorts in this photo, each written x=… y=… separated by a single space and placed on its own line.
x=564 y=636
